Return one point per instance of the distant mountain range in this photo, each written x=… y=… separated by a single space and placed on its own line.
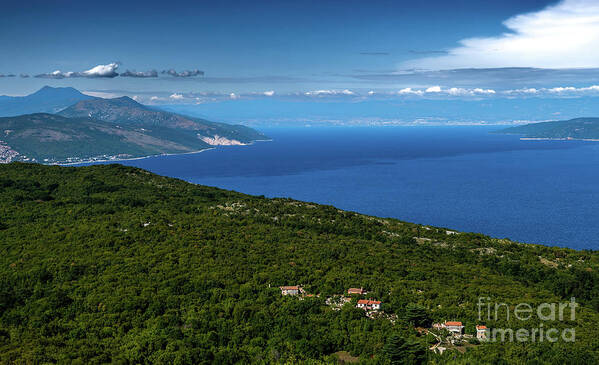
x=579 y=128
x=46 y=100
x=99 y=129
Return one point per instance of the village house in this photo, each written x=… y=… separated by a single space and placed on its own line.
x=290 y=290
x=454 y=327
x=482 y=332
x=359 y=291
x=367 y=304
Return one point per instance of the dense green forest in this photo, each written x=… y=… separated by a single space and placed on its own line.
x=113 y=264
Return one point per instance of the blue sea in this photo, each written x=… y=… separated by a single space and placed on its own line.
x=463 y=178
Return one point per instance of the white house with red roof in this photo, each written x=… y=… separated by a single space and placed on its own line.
x=482 y=332
x=359 y=291
x=368 y=304
x=290 y=290
x=454 y=327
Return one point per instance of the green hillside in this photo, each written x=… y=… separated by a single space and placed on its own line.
x=125 y=111
x=112 y=264
x=53 y=138
x=579 y=128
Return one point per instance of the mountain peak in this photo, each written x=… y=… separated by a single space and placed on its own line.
x=127 y=100
x=47 y=99
x=57 y=91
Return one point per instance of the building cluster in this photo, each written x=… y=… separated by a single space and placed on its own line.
x=337 y=301
x=457 y=329
x=7 y=154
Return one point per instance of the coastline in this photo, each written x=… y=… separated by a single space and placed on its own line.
x=89 y=161
x=558 y=139
x=130 y=159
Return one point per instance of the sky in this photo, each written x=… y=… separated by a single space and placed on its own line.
x=193 y=52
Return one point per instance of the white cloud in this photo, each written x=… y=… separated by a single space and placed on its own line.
x=233 y=96
x=329 y=92
x=176 y=96
x=565 y=35
x=433 y=89
x=408 y=91
x=561 y=89
x=558 y=90
x=269 y=93
x=483 y=91
x=108 y=70
x=530 y=90
x=56 y=75
x=457 y=91
x=320 y=92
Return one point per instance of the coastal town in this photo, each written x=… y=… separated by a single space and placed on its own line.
x=448 y=334
x=7 y=154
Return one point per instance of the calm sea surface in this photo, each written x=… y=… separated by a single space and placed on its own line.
x=462 y=178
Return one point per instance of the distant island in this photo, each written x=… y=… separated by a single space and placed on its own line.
x=92 y=129
x=578 y=129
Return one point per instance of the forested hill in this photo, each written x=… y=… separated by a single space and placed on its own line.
x=109 y=263
x=579 y=128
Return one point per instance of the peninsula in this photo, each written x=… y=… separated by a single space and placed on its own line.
x=109 y=129
x=578 y=129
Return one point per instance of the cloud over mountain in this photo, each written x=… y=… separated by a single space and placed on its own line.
x=110 y=71
x=99 y=71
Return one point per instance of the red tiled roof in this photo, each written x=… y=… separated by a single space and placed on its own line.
x=453 y=323
x=355 y=291
x=293 y=287
x=368 y=302
x=481 y=327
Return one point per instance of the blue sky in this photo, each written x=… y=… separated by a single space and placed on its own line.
x=302 y=49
